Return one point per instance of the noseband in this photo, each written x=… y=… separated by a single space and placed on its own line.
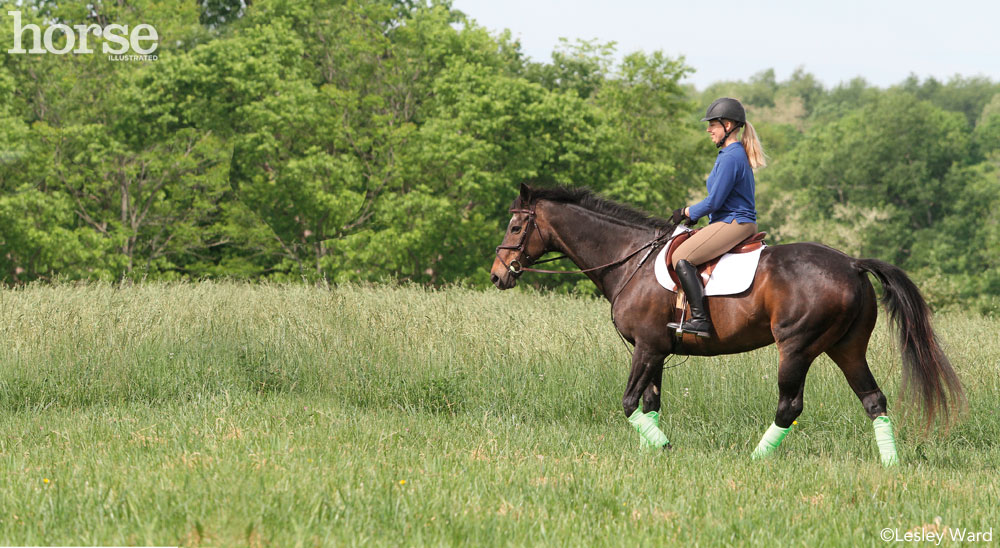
x=515 y=266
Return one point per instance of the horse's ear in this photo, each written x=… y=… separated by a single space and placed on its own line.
x=526 y=192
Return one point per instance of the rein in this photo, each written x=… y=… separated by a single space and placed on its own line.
x=515 y=267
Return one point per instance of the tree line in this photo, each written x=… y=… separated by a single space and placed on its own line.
x=367 y=140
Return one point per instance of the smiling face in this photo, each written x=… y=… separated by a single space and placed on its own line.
x=717 y=131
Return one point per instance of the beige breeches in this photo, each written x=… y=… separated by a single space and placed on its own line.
x=712 y=241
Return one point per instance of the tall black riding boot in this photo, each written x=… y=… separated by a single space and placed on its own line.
x=699 y=323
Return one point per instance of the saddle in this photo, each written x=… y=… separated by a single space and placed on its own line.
x=753 y=243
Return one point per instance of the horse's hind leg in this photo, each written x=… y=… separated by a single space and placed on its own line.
x=793 y=366
x=859 y=376
x=849 y=355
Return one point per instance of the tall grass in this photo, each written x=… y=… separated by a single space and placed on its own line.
x=226 y=414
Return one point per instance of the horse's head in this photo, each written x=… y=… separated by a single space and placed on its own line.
x=522 y=244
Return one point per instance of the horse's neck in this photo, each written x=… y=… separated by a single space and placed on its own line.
x=591 y=239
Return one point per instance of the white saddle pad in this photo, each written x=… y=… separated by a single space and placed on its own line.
x=733 y=274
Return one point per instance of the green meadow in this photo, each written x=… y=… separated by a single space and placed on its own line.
x=226 y=414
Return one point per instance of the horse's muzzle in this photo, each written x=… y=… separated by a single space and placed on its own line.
x=503 y=279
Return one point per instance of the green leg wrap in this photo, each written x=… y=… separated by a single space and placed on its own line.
x=771 y=440
x=647 y=428
x=886 y=441
x=643 y=442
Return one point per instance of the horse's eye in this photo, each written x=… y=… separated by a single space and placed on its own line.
x=515 y=229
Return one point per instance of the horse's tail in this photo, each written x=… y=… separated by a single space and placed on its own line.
x=928 y=376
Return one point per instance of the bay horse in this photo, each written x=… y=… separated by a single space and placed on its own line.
x=806 y=298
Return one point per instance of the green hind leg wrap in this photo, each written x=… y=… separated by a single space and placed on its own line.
x=771 y=440
x=886 y=440
x=648 y=429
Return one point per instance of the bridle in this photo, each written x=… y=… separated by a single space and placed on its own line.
x=530 y=226
x=516 y=268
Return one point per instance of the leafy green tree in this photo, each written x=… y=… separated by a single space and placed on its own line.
x=986 y=136
x=39 y=241
x=843 y=99
x=374 y=139
x=759 y=91
x=484 y=133
x=663 y=150
x=150 y=205
x=893 y=155
x=805 y=86
x=958 y=256
x=38 y=236
x=218 y=13
x=582 y=66
x=316 y=151
x=965 y=95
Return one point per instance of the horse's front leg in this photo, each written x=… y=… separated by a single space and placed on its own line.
x=644 y=381
x=651 y=403
x=651 y=397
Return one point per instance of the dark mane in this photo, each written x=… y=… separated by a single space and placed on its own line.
x=587 y=199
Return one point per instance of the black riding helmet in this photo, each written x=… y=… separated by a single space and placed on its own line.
x=729 y=109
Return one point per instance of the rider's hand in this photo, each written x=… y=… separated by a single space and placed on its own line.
x=678 y=217
x=688 y=222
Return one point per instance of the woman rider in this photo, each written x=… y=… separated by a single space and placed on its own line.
x=730 y=205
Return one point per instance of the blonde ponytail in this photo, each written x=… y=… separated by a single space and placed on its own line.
x=751 y=143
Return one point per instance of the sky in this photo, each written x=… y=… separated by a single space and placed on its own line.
x=882 y=41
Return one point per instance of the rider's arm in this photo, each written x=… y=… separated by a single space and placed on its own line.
x=720 y=184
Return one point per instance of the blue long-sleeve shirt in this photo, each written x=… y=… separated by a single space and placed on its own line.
x=730 y=189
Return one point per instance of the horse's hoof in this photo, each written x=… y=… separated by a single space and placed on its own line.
x=668 y=447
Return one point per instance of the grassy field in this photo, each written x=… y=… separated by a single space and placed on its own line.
x=231 y=415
